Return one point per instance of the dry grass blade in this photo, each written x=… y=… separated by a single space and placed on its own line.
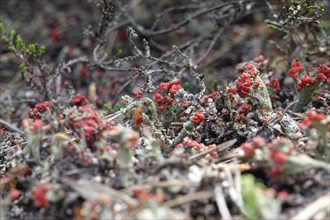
x=227 y=158
x=221 y=202
x=222 y=146
x=11 y=127
x=189 y=198
x=312 y=209
x=93 y=190
x=161 y=184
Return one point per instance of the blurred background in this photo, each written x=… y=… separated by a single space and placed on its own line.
x=214 y=35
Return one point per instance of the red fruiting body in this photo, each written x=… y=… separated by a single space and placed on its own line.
x=115 y=131
x=14 y=194
x=158 y=97
x=262 y=61
x=213 y=95
x=245 y=108
x=311 y=116
x=283 y=195
x=244 y=84
x=250 y=69
x=54 y=34
x=198 y=118
x=159 y=197
x=278 y=157
x=246 y=80
x=324 y=73
x=142 y=195
x=138 y=94
x=131 y=136
x=248 y=66
x=43 y=106
x=274 y=83
x=138 y=119
x=275 y=171
x=259 y=141
x=224 y=113
x=39 y=195
x=168 y=100
x=174 y=82
x=295 y=69
x=239 y=118
x=270 y=192
x=32 y=126
x=174 y=88
x=257 y=83
x=324 y=69
x=248 y=149
x=186 y=103
x=79 y=100
x=27 y=171
x=132 y=139
x=163 y=86
x=83 y=71
x=137 y=116
x=190 y=143
x=305 y=81
x=264 y=121
x=37 y=124
x=34 y=113
x=38 y=109
x=231 y=92
x=86 y=124
x=200 y=146
x=138 y=191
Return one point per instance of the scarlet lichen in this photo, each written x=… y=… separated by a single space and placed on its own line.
x=39 y=195
x=296 y=67
x=198 y=118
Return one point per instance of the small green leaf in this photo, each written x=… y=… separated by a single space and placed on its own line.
x=118 y=105
x=185 y=85
x=5 y=38
x=42 y=50
x=99 y=5
x=119 y=52
x=109 y=108
x=31 y=49
x=20 y=43
x=22 y=67
x=12 y=34
x=11 y=48
x=2 y=27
